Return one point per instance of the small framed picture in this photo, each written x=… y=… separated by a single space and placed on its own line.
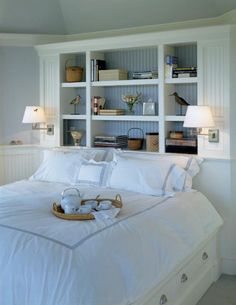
x=149 y=108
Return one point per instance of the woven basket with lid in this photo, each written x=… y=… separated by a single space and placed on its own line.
x=73 y=73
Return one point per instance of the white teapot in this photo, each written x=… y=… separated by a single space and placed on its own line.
x=71 y=203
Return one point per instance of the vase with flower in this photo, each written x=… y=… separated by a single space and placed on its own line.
x=131 y=100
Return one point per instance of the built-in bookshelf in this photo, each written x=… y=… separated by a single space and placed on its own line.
x=130 y=60
x=135 y=53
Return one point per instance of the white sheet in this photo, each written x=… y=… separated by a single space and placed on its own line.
x=48 y=261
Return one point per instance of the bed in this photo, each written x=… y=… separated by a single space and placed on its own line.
x=160 y=249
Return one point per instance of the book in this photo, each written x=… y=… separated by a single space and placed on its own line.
x=145 y=75
x=92 y=70
x=96 y=65
x=111 y=111
x=171 y=60
x=184 y=72
x=182 y=142
x=185 y=69
x=120 y=141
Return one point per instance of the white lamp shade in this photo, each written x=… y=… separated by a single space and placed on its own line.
x=34 y=114
x=198 y=117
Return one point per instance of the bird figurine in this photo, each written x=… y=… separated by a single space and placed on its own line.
x=75 y=102
x=179 y=100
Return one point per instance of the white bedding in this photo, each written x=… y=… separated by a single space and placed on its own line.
x=48 y=261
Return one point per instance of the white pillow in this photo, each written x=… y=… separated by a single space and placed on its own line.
x=188 y=163
x=58 y=166
x=97 y=154
x=94 y=173
x=151 y=177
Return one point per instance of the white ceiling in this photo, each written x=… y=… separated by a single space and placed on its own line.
x=83 y=16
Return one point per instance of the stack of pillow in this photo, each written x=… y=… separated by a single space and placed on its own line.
x=152 y=174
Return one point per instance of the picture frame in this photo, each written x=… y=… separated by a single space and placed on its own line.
x=149 y=108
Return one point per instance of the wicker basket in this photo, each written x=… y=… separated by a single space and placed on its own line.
x=152 y=141
x=176 y=135
x=133 y=142
x=73 y=73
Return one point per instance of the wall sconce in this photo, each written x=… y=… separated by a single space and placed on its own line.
x=201 y=117
x=35 y=115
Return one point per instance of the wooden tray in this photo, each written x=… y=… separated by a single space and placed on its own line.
x=59 y=212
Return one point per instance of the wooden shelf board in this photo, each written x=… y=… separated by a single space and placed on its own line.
x=184 y=80
x=74 y=85
x=130 y=82
x=73 y=116
x=142 y=118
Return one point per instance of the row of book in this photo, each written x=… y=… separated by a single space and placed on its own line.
x=99 y=64
x=120 y=141
x=171 y=70
x=96 y=65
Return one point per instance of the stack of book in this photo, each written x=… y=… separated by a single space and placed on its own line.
x=145 y=75
x=171 y=60
x=184 y=72
x=184 y=145
x=111 y=111
x=111 y=141
x=96 y=65
x=170 y=64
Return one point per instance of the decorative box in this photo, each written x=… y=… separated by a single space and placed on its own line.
x=114 y=74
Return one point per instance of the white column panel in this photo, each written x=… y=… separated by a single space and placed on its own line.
x=49 y=97
x=213 y=91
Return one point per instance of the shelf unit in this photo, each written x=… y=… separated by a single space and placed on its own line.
x=141 y=52
x=132 y=59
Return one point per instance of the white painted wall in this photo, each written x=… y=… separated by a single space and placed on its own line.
x=19 y=86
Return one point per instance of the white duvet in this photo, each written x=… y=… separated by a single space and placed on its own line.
x=45 y=260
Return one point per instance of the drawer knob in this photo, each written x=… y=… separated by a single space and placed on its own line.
x=163 y=299
x=184 y=278
x=204 y=256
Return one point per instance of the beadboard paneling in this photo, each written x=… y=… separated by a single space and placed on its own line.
x=214 y=92
x=18 y=163
x=49 y=96
x=114 y=100
x=133 y=60
x=187 y=55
